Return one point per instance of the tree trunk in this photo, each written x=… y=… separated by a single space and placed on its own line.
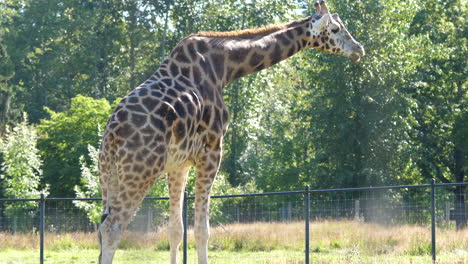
x=235 y=109
x=166 y=21
x=131 y=29
x=359 y=179
x=5 y=100
x=132 y=62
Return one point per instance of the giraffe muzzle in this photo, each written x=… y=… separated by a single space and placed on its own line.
x=358 y=52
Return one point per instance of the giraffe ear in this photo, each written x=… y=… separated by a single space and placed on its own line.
x=336 y=17
x=323 y=22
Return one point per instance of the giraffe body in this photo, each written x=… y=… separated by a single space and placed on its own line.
x=177 y=119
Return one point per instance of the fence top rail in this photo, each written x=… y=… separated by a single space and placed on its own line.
x=98 y=199
x=390 y=187
x=19 y=200
x=73 y=199
x=371 y=188
x=451 y=184
x=255 y=194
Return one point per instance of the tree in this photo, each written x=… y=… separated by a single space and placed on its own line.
x=244 y=96
x=10 y=110
x=439 y=90
x=397 y=117
x=327 y=122
x=91 y=187
x=7 y=91
x=65 y=137
x=21 y=170
x=65 y=48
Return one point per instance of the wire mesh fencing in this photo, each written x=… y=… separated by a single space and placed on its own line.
x=364 y=225
x=382 y=206
x=256 y=228
x=19 y=216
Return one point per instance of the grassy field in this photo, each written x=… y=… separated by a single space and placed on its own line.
x=269 y=243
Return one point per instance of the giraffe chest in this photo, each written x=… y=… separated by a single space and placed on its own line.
x=168 y=125
x=208 y=133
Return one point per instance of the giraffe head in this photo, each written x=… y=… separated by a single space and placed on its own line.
x=329 y=34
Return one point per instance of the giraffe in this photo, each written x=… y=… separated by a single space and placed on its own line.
x=177 y=119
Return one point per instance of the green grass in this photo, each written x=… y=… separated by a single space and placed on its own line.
x=82 y=256
x=267 y=243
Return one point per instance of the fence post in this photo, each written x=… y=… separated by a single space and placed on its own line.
x=149 y=223
x=433 y=235
x=307 y=220
x=357 y=210
x=447 y=215
x=41 y=227
x=184 y=216
x=15 y=224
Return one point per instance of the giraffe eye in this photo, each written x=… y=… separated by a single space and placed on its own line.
x=335 y=30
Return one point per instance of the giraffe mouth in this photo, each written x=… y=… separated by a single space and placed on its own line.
x=355 y=57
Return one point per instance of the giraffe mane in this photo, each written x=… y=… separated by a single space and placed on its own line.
x=242 y=33
x=261 y=31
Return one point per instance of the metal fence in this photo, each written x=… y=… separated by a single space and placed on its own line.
x=432 y=205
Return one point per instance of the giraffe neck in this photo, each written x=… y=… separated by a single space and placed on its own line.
x=211 y=60
x=245 y=57
x=233 y=56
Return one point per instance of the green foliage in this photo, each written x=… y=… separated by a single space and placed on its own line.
x=10 y=108
x=221 y=186
x=419 y=248
x=21 y=170
x=65 y=138
x=439 y=91
x=91 y=187
x=327 y=122
x=397 y=117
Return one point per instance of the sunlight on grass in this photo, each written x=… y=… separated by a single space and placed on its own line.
x=221 y=257
x=269 y=243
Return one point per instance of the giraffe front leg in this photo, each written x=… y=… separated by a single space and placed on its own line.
x=121 y=200
x=114 y=223
x=177 y=181
x=109 y=238
x=206 y=172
